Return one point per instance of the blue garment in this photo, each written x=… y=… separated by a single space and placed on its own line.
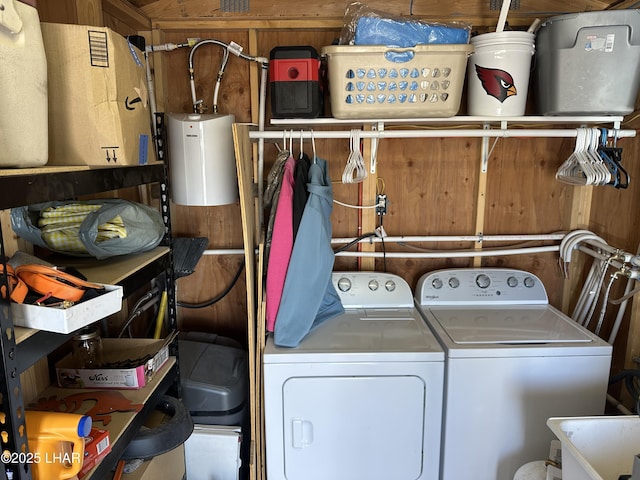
x=308 y=297
x=406 y=33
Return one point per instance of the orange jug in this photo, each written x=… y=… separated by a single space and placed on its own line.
x=56 y=443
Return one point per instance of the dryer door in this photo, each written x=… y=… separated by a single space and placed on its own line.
x=360 y=427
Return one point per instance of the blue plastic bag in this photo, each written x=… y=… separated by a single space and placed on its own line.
x=406 y=33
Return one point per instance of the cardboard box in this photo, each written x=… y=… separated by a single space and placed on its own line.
x=98 y=99
x=67 y=320
x=96 y=447
x=169 y=466
x=130 y=363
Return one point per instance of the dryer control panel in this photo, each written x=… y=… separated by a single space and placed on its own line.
x=372 y=290
x=480 y=286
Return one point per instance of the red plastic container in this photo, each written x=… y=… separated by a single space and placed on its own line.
x=295 y=80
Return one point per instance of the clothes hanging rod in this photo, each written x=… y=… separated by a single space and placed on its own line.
x=444 y=133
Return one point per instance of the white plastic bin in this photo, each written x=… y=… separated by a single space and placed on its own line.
x=597 y=448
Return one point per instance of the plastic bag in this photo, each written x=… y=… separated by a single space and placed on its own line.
x=143 y=227
x=364 y=26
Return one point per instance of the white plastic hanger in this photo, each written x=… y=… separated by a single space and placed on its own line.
x=572 y=169
x=354 y=170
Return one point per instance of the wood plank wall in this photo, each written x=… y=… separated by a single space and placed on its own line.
x=434 y=186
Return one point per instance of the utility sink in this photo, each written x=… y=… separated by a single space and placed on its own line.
x=597 y=448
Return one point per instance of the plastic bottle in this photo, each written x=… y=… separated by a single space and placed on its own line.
x=56 y=443
x=24 y=119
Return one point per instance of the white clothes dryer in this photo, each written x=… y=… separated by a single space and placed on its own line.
x=361 y=397
x=512 y=361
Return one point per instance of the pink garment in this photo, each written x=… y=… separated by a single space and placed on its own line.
x=281 y=245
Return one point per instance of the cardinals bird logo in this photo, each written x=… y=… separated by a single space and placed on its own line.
x=497 y=83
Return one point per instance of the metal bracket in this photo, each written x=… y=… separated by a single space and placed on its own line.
x=485 y=150
x=374 y=146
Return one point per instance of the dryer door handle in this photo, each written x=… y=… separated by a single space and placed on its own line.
x=302 y=433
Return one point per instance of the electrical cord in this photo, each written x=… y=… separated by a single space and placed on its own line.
x=355 y=241
x=140 y=306
x=217 y=298
x=357 y=207
x=381 y=233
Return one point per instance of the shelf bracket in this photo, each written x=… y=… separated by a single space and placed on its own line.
x=485 y=151
x=379 y=128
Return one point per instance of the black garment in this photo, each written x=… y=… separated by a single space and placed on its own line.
x=300 y=193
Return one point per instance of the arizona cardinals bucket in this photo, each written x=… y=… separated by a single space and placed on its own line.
x=498 y=73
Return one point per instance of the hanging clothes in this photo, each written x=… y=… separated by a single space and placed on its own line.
x=281 y=244
x=270 y=196
x=300 y=194
x=308 y=297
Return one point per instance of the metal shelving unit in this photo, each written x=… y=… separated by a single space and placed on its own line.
x=19 y=351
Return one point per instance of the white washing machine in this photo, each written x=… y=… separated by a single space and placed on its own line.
x=512 y=361
x=361 y=397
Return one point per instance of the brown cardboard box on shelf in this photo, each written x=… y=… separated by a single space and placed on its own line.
x=98 y=98
x=130 y=363
x=169 y=466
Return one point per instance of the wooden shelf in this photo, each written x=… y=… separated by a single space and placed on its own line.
x=123 y=425
x=111 y=271
x=28 y=186
x=459 y=120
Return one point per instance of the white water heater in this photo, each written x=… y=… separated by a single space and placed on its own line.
x=202 y=162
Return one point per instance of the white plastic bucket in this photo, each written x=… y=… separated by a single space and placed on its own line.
x=498 y=73
x=23 y=88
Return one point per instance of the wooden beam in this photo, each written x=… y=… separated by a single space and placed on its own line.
x=369 y=216
x=244 y=164
x=623 y=4
x=128 y=14
x=158 y=71
x=90 y=12
x=481 y=197
x=229 y=24
x=141 y=3
x=580 y=213
x=469 y=11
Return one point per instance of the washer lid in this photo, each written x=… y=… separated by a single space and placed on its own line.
x=536 y=324
x=389 y=334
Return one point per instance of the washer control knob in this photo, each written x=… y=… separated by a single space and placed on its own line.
x=436 y=283
x=529 y=282
x=454 y=282
x=512 y=282
x=483 y=281
x=373 y=285
x=344 y=284
x=390 y=285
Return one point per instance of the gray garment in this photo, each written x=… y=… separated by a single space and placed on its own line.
x=271 y=195
x=308 y=297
